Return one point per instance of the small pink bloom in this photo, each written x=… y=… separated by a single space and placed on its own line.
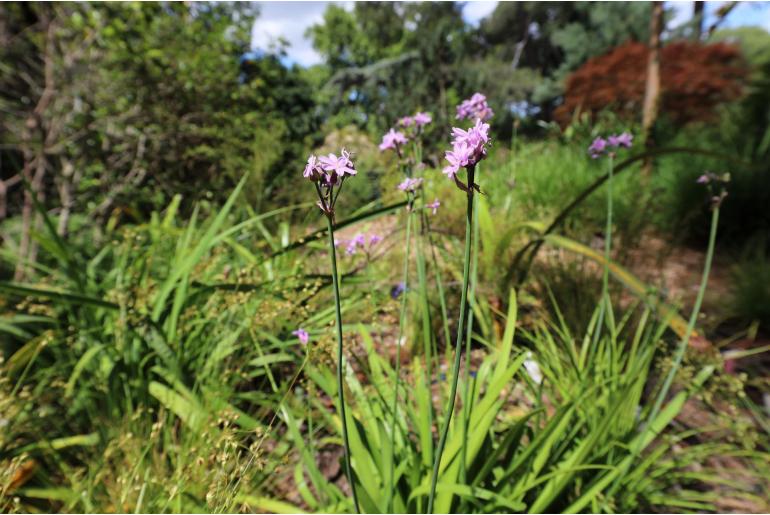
x=410 y=184
x=597 y=147
x=302 y=335
x=421 y=119
x=313 y=170
x=337 y=166
x=434 y=206
x=392 y=139
x=475 y=107
x=622 y=140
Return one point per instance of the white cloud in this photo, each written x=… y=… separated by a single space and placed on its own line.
x=289 y=20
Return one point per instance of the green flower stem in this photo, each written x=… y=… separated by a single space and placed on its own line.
x=340 y=363
x=466 y=375
x=401 y=322
x=684 y=342
x=693 y=318
x=460 y=337
x=608 y=232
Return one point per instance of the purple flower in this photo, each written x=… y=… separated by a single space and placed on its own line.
x=704 y=179
x=392 y=139
x=359 y=240
x=397 y=290
x=406 y=121
x=434 y=206
x=475 y=139
x=313 y=170
x=374 y=239
x=421 y=119
x=468 y=148
x=302 y=335
x=458 y=157
x=337 y=166
x=598 y=147
x=410 y=184
x=621 y=140
x=475 y=107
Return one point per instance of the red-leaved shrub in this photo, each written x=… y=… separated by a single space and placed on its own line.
x=694 y=79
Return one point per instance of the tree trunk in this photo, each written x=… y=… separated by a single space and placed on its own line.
x=652 y=87
x=697 y=18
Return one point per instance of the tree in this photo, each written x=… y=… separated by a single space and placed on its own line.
x=103 y=102
x=387 y=60
x=651 y=105
x=555 y=38
x=695 y=78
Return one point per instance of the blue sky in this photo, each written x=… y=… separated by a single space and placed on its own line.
x=289 y=20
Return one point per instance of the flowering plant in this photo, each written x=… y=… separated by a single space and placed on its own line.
x=475 y=107
x=327 y=173
x=468 y=148
x=600 y=146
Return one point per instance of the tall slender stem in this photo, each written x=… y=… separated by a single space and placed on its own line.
x=693 y=317
x=469 y=331
x=683 y=343
x=401 y=321
x=608 y=232
x=340 y=363
x=460 y=338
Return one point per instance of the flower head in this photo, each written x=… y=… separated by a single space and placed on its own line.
x=410 y=184
x=359 y=240
x=397 y=290
x=597 y=147
x=434 y=206
x=624 y=139
x=458 y=157
x=475 y=107
x=420 y=119
x=374 y=239
x=406 y=121
x=313 y=170
x=468 y=147
x=337 y=166
x=302 y=335
x=704 y=179
x=392 y=139
x=329 y=171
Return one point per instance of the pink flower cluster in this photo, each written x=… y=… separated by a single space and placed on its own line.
x=475 y=108
x=600 y=145
x=468 y=148
x=410 y=185
x=433 y=205
x=302 y=336
x=360 y=241
x=418 y=120
x=392 y=140
x=328 y=169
